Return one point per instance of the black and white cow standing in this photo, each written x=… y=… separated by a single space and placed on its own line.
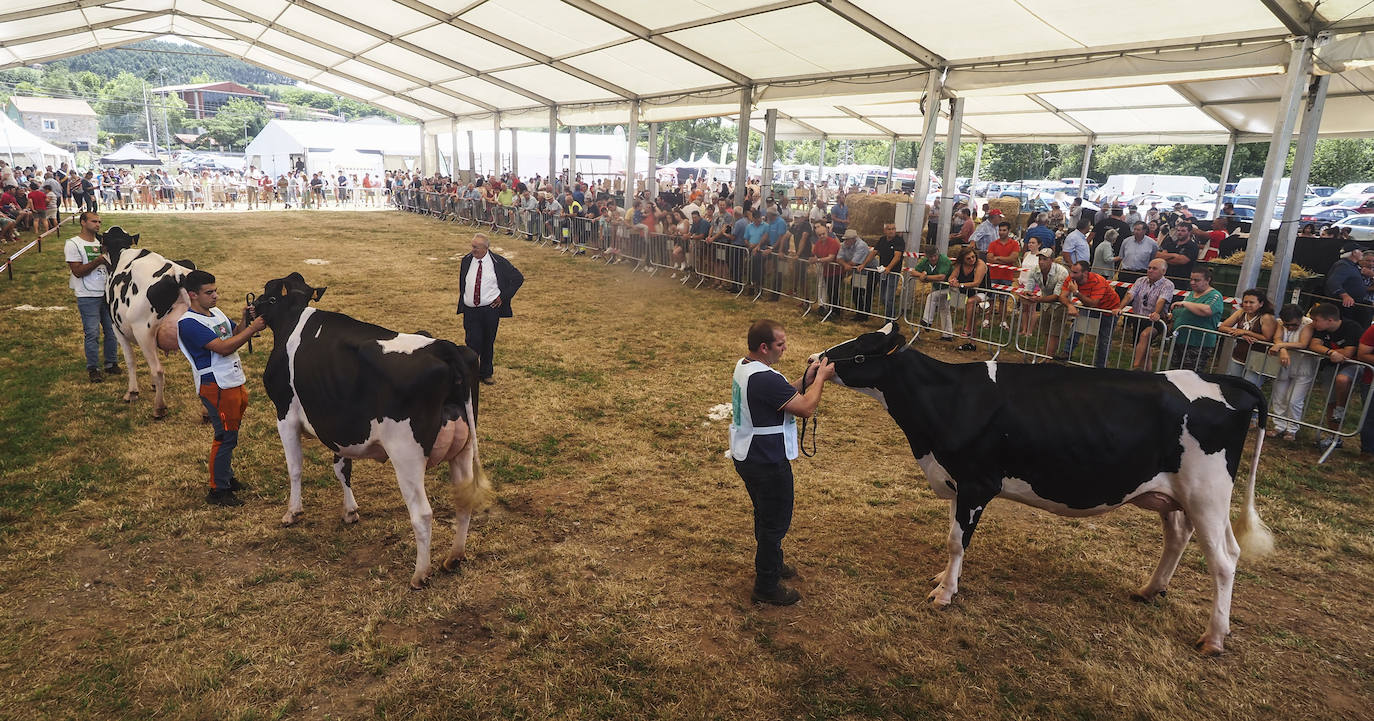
x=369 y=392
x=146 y=301
x=1076 y=442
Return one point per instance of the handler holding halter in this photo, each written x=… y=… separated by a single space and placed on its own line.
x=763 y=442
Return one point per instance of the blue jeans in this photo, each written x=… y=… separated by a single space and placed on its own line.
x=1106 y=323
x=95 y=317
x=888 y=287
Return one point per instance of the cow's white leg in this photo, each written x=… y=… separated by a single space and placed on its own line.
x=147 y=341
x=948 y=579
x=343 y=470
x=409 y=461
x=126 y=348
x=290 y=432
x=1177 y=530
x=1210 y=515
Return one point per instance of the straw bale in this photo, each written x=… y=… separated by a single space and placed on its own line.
x=1010 y=207
x=868 y=213
x=1295 y=271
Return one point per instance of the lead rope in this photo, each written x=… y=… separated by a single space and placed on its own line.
x=801 y=443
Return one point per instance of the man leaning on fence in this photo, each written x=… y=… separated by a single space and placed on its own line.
x=1196 y=319
x=855 y=259
x=1091 y=290
x=1149 y=296
x=888 y=251
x=934 y=268
x=1344 y=283
x=1338 y=339
x=1045 y=288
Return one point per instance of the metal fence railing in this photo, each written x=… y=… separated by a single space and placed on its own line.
x=1308 y=395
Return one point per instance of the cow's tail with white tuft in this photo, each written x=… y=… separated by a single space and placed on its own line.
x=1254 y=537
x=474 y=494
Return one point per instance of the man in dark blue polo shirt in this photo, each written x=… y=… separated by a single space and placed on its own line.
x=763 y=442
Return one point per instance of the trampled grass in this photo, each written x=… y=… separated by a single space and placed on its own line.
x=610 y=577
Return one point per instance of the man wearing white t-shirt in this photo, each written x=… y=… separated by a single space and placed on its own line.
x=90 y=271
x=208 y=340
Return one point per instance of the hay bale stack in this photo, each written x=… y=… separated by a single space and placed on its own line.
x=868 y=213
x=1011 y=211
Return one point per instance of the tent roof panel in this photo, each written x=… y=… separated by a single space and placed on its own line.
x=363 y=71
x=491 y=92
x=554 y=84
x=315 y=25
x=389 y=17
x=261 y=8
x=1021 y=124
x=662 y=15
x=1114 y=98
x=642 y=67
x=767 y=45
x=1184 y=119
x=277 y=40
x=546 y=26
x=412 y=63
x=464 y=47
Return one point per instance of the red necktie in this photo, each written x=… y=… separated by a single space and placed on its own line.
x=477 y=287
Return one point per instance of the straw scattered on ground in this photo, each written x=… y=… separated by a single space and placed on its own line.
x=610 y=578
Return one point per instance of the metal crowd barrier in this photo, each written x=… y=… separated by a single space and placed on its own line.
x=982 y=316
x=724 y=265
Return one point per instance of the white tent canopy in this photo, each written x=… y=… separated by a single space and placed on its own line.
x=19 y=147
x=129 y=154
x=1055 y=72
x=322 y=145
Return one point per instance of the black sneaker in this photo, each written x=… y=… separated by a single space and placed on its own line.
x=222 y=497
x=967 y=347
x=779 y=595
x=787 y=571
x=95 y=375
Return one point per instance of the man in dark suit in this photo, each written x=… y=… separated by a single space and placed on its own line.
x=487 y=283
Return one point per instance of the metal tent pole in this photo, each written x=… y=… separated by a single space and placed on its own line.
x=1087 y=162
x=651 y=180
x=770 y=133
x=956 y=122
x=1297 y=186
x=553 y=142
x=746 y=98
x=631 y=145
x=1225 y=175
x=453 y=143
x=916 y=222
x=977 y=166
x=1298 y=67
x=891 y=164
x=472 y=156
x=496 y=144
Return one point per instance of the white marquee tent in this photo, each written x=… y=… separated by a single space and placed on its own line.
x=19 y=147
x=323 y=145
x=1226 y=71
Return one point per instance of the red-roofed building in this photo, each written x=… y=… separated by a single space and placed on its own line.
x=205 y=99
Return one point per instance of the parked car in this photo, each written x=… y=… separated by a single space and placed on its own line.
x=1361 y=226
x=1327 y=216
x=1323 y=191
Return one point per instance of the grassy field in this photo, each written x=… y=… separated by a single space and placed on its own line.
x=610 y=577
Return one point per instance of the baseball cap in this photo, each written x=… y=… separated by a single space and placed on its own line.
x=1046 y=252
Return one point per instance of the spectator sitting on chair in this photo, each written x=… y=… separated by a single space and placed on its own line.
x=1149 y=296
x=1201 y=308
x=1338 y=339
x=1288 y=398
x=970 y=278
x=1253 y=323
x=1046 y=284
x=1091 y=290
x=934 y=267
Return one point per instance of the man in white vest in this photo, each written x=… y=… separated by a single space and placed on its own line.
x=208 y=340
x=763 y=442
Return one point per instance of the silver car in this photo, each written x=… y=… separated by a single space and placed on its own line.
x=1361 y=226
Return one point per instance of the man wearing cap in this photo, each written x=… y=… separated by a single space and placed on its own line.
x=1345 y=283
x=1132 y=215
x=854 y=257
x=986 y=232
x=1044 y=289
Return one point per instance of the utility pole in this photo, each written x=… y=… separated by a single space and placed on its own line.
x=148 y=119
x=166 y=131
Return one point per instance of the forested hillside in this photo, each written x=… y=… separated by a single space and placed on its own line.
x=178 y=64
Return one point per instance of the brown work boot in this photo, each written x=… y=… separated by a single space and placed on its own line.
x=779 y=595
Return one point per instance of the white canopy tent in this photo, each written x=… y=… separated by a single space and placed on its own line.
x=20 y=148
x=322 y=145
x=1222 y=72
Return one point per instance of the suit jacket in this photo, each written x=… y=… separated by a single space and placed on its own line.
x=507 y=278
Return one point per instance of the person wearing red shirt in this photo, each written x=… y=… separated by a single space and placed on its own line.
x=1209 y=241
x=1003 y=251
x=38 y=203
x=824 y=250
x=1091 y=291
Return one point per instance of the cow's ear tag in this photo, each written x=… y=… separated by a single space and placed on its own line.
x=283 y=291
x=318 y=293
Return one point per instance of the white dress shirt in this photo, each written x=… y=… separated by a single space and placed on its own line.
x=490 y=290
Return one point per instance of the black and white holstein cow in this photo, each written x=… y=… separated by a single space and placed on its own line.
x=369 y=392
x=1169 y=442
x=146 y=301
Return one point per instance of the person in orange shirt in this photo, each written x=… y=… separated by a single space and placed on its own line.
x=1091 y=291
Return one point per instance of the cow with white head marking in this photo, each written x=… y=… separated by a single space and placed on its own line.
x=1168 y=442
x=368 y=392
x=146 y=301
